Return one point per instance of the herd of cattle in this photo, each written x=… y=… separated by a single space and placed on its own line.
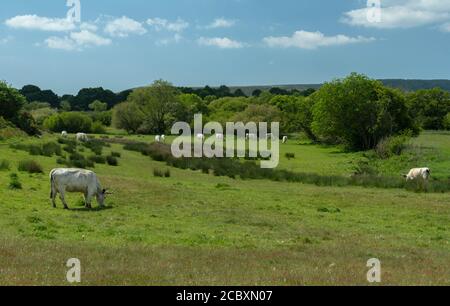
x=64 y=180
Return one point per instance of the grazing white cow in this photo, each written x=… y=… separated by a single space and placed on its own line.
x=82 y=137
x=76 y=180
x=415 y=173
x=219 y=136
x=285 y=139
x=64 y=134
x=157 y=138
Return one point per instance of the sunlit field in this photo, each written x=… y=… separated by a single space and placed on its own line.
x=192 y=228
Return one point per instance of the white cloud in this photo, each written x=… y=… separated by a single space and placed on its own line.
x=89 y=27
x=61 y=43
x=77 y=41
x=163 y=24
x=86 y=38
x=34 y=22
x=124 y=26
x=313 y=40
x=221 y=23
x=402 y=14
x=223 y=43
x=172 y=40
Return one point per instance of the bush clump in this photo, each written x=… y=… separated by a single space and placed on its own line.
x=392 y=146
x=72 y=122
x=112 y=161
x=290 y=155
x=4 y=165
x=14 y=182
x=98 y=159
x=161 y=173
x=30 y=166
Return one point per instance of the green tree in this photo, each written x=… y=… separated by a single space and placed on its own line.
x=65 y=106
x=71 y=122
x=127 y=116
x=296 y=114
x=359 y=112
x=98 y=106
x=429 y=107
x=159 y=103
x=447 y=122
x=11 y=101
x=258 y=113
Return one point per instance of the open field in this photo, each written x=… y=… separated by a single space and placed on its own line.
x=198 y=229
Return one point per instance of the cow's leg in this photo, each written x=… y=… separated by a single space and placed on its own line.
x=63 y=199
x=54 y=194
x=88 y=199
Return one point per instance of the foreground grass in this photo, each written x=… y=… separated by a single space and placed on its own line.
x=197 y=229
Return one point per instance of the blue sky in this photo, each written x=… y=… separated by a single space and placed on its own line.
x=124 y=44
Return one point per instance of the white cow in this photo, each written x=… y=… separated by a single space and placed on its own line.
x=82 y=137
x=415 y=173
x=76 y=180
x=64 y=134
x=285 y=139
x=157 y=138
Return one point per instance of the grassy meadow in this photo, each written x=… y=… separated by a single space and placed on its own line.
x=193 y=228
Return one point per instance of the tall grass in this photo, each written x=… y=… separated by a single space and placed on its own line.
x=30 y=166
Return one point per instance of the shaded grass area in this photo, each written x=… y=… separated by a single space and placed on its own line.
x=170 y=265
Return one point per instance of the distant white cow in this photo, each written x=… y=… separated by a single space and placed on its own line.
x=64 y=134
x=285 y=139
x=157 y=138
x=76 y=180
x=82 y=137
x=416 y=173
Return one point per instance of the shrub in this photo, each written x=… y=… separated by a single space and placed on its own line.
x=4 y=164
x=14 y=182
x=30 y=166
x=71 y=122
x=51 y=148
x=98 y=128
x=112 y=161
x=290 y=155
x=98 y=159
x=392 y=146
x=161 y=173
x=116 y=154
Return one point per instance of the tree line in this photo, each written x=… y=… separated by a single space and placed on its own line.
x=355 y=111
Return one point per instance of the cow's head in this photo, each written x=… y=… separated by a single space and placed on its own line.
x=101 y=196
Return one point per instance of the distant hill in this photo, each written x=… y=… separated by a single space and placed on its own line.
x=406 y=85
